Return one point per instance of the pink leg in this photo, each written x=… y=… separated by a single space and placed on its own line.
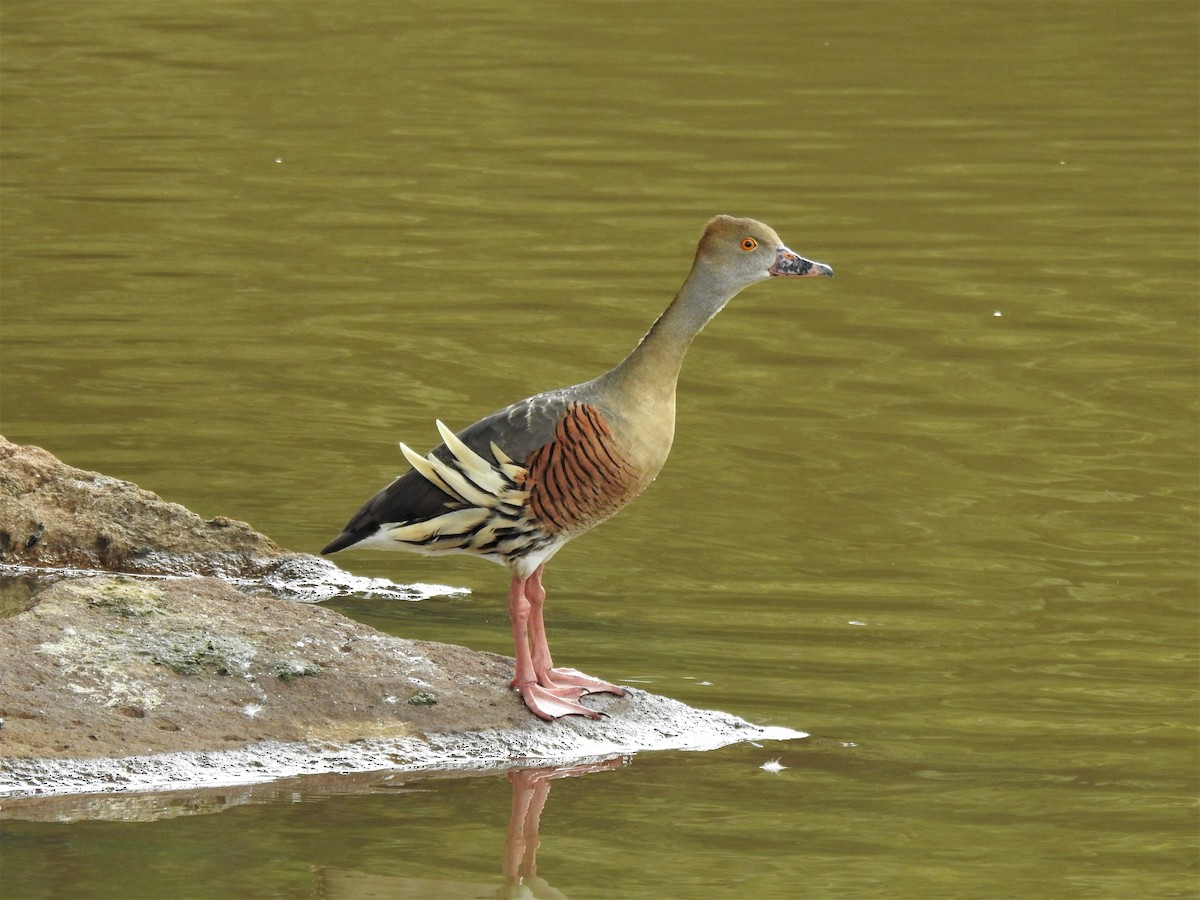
x=543 y=665
x=540 y=647
x=545 y=702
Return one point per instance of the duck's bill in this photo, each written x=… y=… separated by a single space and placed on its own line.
x=793 y=265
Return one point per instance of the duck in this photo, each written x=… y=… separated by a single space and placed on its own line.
x=518 y=485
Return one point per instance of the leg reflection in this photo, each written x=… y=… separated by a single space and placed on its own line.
x=530 y=788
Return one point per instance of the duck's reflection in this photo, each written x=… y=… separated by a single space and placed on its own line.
x=530 y=790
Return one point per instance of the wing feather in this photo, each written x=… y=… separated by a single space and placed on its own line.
x=458 y=474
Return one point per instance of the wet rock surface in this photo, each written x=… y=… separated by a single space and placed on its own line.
x=125 y=670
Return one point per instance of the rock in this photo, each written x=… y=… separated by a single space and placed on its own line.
x=116 y=666
x=56 y=516
x=145 y=679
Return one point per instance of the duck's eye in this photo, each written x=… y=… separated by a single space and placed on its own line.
x=749 y=244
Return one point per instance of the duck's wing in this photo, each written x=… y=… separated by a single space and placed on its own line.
x=479 y=468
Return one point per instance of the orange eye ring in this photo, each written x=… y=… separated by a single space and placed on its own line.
x=749 y=244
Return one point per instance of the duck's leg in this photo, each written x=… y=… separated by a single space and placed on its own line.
x=543 y=666
x=545 y=702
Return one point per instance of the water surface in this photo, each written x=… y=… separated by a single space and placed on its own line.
x=939 y=511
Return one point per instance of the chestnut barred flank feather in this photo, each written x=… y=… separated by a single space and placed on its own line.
x=581 y=477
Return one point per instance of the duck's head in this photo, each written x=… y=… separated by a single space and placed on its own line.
x=740 y=252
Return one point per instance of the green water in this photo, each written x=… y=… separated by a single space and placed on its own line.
x=939 y=512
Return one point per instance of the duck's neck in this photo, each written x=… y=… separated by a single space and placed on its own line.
x=652 y=369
